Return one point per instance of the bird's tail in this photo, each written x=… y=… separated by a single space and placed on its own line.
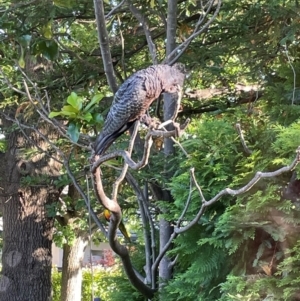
x=102 y=143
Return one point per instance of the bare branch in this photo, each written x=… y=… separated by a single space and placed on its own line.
x=239 y=130
x=148 y=142
x=179 y=50
x=186 y=205
x=149 y=234
x=125 y=167
x=118 y=248
x=115 y=9
x=259 y=175
x=114 y=207
x=145 y=23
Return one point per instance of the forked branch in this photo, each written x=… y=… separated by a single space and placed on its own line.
x=112 y=203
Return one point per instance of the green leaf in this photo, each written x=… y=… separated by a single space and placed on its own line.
x=98 y=118
x=21 y=60
x=47 y=48
x=96 y=98
x=152 y=3
x=47 y=30
x=73 y=131
x=69 y=109
x=88 y=117
x=54 y=114
x=75 y=101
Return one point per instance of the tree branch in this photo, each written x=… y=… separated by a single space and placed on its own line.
x=145 y=23
x=179 y=50
x=241 y=135
x=146 y=220
x=104 y=45
x=171 y=28
x=113 y=206
x=259 y=175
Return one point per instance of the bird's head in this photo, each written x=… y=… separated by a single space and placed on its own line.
x=174 y=78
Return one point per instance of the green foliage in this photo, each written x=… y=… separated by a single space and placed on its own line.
x=79 y=115
x=56 y=284
x=110 y=284
x=200 y=267
x=287 y=141
x=243 y=248
x=287 y=272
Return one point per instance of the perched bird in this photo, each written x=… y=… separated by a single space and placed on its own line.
x=122 y=227
x=134 y=97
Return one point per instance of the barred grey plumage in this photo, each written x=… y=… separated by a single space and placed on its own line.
x=134 y=97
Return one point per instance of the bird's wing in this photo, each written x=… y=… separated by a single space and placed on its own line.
x=126 y=108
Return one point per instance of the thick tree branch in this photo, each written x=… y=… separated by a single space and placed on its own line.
x=104 y=45
x=112 y=204
x=148 y=227
x=171 y=28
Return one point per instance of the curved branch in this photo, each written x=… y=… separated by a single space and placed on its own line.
x=147 y=145
x=114 y=207
x=118 y=248
x=259 y=175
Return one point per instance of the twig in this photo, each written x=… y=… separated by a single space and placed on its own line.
x=143 y=20
x=83 y=195
x=239 y=130
x=179 y=50
x=10 y=85
x=148 y=142
x=192 y=172
x=125 y=167
x=259 y=175
x=150 y=250
x=44 y=114
x=114 y=9
x=186 y=205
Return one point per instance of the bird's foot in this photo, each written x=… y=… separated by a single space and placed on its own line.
x=152 y=123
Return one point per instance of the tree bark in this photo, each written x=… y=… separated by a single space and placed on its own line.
x=72 y=269
x=27 y=231
x=170 y=105
x=104 y=45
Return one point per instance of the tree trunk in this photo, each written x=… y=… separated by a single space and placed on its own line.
x=165 y=269
x=72 y=269
x=27 y=231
